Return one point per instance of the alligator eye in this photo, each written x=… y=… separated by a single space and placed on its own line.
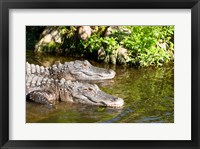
x=84 y=65
x=90 y=89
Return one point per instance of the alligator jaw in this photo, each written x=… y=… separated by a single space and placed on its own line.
x=91 y=94
x=83 y=70
x=108 y=74
x=119 y=102
x=107 y=101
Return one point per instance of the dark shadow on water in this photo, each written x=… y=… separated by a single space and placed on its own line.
x=124 y=113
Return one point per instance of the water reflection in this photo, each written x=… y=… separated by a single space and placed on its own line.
x=148 y=95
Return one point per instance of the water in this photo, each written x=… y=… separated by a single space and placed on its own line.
x=148 y=94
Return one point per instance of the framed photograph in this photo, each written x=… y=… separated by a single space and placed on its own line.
x=103 y=74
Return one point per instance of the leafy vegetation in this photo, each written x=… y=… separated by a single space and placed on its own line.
x=146 y=45
x=51 y=47
x=70 y=35
x=150 y=45
x=95 y=42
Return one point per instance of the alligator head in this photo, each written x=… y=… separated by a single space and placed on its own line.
x=89 y=94
x=81 y=70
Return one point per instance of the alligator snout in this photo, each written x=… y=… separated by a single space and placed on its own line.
x=118 y=102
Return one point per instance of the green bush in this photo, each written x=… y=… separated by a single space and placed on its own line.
x=95 y=42
x=150 y=45
x=147 y=45
x=52 y=47
x=70 y=36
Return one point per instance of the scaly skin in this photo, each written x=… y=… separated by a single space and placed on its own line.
x=48 y=91
x=75 y=70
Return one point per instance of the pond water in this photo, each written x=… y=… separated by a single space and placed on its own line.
x=148 y=94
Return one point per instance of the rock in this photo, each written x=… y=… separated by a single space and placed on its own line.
x=109 y=31
x=122 y=56
x=84 y=32
x=54 y=33
x=49 y=37
x=113 y=57
x=57 y=38
x=119 y=56
x=164 y=46
x=101 y=54
x=107 y=59
x=125 y=30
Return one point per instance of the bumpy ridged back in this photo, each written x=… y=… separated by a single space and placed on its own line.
x=35 y=82
x=36 y=69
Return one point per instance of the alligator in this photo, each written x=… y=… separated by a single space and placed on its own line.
x=45 y=90
x=74 y=70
